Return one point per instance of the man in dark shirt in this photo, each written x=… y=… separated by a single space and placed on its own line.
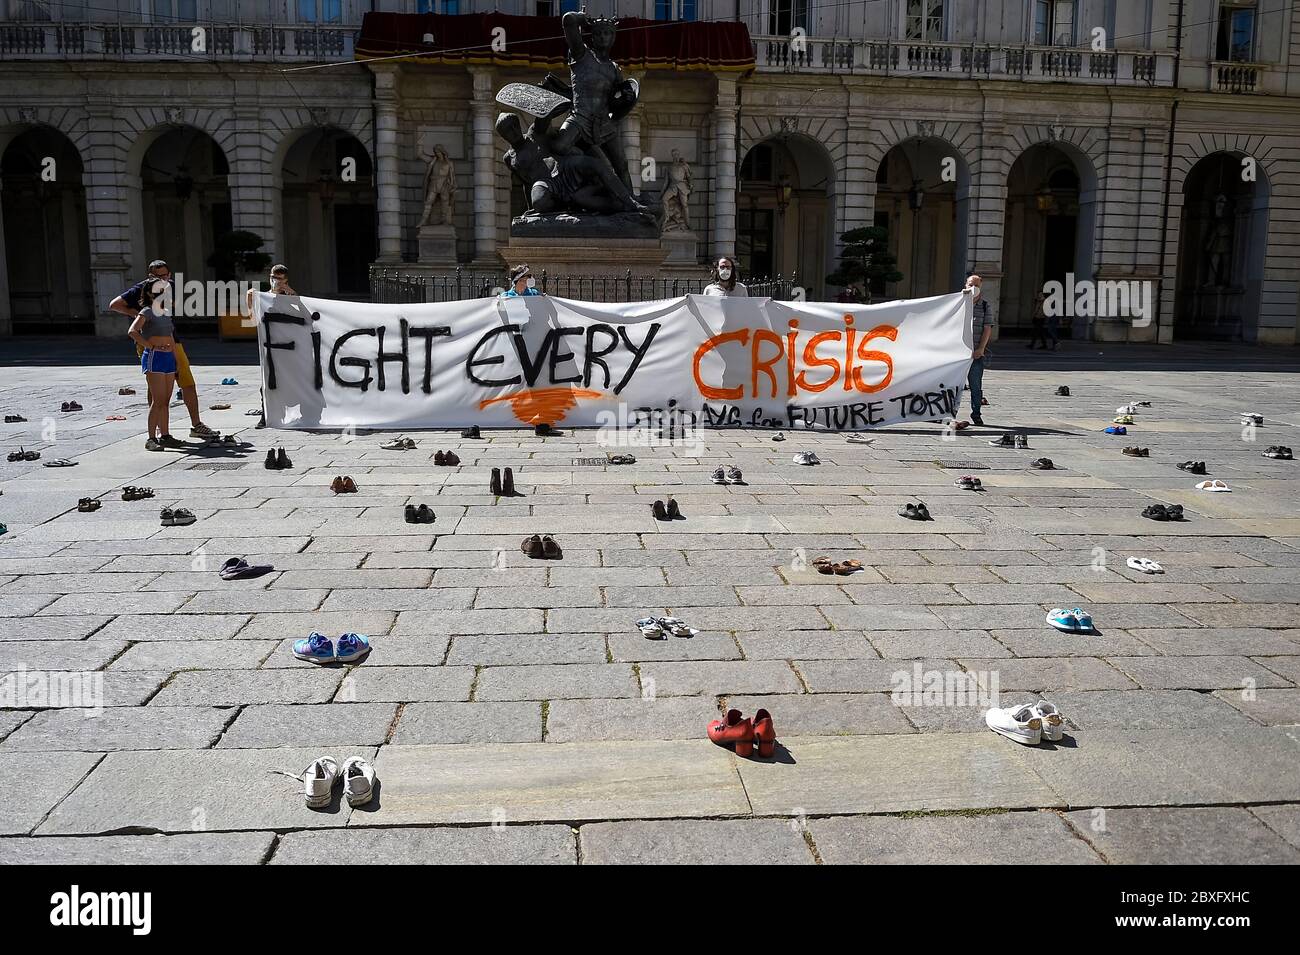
x=128 y=304
x=983 y=323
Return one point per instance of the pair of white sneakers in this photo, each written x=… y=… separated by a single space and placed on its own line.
x=319 y=778
x=1027 y=723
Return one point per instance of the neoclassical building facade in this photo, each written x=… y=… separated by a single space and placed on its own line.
x=1154 y=142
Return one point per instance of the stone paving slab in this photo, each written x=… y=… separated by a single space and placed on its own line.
x=755 y=842
x=172 y=791
x=31 y=784
x=565 y=781
x=323 y=725
x=119 y=728
x=1183 y=836
x=478 y=845
x=875 y=774
x=197 y=848
x=1004 y=838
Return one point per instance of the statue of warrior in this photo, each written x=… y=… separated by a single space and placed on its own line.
x=595 y=79
x=439 y=187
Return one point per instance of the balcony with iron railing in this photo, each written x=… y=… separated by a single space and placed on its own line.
x=176 y=41
x=1047 y=64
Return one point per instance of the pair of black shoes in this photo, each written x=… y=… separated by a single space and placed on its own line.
x=666 y=512
x=544 y=431
x=1063 y=391
x=277 y=460
x=447 y=458
x=1164 y=512
x=1192 y=467
x=915 y=512
x=419 y=515
x=471 y=432
x=502 y=486
x=14 y=419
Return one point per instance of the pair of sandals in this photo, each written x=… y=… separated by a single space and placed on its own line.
x=1192 y=467
x=1164 y=512
x=23 y=455
x=178 y=517
x=660 y=628
x=666 y=512
x=1138 y=452
x=238 y=568
x=89 y=504
x=70 y=406
x=541 y=547
x=422 y=514
x=806 y=457
x=399 y=444
x=59 y=463
x=446 y=459
x=343 y=485
x=915 y=512
x=1279 y=452
x=14 y=419
x=729 y=475
x=968 y=483
x=843 y=568
x=1214 y=485
x=622 y=459
x=133 y=493
x=1145 y=565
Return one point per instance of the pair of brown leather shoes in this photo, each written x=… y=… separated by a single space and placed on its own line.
x=343 y=485
x=541 y=547
x=447 y=458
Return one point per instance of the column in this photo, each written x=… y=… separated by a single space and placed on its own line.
x=988 y=205
x=388 y=196
x=114 y=217
x=6 y=316
x=254 y=182
x=724 y=162
x=485 y=167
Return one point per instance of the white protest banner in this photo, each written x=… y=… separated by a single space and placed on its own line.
x=696 y=361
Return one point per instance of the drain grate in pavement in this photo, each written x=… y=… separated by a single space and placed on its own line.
x=963 y=465
x=590 y=462
x=216 y=466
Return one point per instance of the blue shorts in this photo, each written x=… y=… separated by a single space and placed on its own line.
x=163 y=362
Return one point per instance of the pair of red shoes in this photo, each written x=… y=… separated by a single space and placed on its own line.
x=745 y=732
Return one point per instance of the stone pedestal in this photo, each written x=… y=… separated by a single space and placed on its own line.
x=438 y=244
x=683 y=248
x=604 y=257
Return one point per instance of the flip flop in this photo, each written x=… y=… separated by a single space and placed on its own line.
x=116 y=417
x=1215 y=485
x=59 y=463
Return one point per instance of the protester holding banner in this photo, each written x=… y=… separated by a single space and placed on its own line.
x=521 y=283
x=279 y=285
x=982 y=325
x=725 y=280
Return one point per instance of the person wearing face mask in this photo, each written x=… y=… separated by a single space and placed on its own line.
x=277 y=284
x=521 y=283
x=982 y=325
x=725 y=280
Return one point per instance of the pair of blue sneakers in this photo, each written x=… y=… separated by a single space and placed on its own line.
x=229 y=381
x=317 y=648
x=1070 y=621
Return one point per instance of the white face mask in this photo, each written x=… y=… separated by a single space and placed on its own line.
x=531 y=283
x=724 y=274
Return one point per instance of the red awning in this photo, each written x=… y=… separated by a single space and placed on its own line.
x=539 y=41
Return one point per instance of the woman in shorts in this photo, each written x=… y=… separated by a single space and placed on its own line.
x=153 y=331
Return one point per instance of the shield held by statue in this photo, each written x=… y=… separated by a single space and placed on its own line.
x=533 y=100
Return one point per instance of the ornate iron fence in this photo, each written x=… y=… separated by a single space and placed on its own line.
x=394 y=286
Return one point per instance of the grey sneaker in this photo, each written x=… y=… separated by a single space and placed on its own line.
x=153 y=445
x=201 y=430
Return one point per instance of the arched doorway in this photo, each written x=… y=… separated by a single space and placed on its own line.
x=1048 y=231
x=46 y=240
x=1221 y=249
x=785 y=213
x=923 y=199
x=185 y=201
x=328 y=206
